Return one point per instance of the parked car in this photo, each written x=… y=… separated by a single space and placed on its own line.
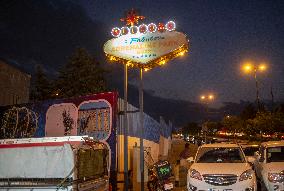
x=249 y=150
x=220 y=166
x=269 y=165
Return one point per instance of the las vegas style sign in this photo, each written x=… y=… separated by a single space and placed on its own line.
x=146 y=46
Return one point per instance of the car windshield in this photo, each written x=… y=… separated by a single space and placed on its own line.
x=275 y=154
x=249 y=151
x=220 y=155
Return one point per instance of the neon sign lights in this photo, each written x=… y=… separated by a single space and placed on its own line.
x=143 y=29
x=145 y=45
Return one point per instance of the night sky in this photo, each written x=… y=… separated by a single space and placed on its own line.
x=222 y=35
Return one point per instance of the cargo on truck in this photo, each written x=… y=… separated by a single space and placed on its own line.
x=76 y=163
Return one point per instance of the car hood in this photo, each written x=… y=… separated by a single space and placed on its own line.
x=273 y=167
x=221 y=168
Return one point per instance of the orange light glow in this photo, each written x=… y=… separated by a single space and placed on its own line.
x=262 y=67
x=248 y=67
x=181 y=53
x=211 y=97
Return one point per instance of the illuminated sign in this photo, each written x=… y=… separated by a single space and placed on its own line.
x=147 y=45
x=144 y=48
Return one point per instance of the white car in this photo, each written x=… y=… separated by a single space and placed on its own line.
x=269 y=165
x=220 y=167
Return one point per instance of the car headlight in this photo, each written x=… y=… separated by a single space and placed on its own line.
x=195 y=174
x=248 y=174
x=276 y=177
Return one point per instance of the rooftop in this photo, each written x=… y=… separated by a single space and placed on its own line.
x=273 y=143
x=221 y=145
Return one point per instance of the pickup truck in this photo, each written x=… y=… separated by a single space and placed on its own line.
x=75 y=163
x=269 y=165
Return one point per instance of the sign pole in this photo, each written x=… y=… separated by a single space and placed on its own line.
x=125 y=122
x=143 y=47
x=141 y=129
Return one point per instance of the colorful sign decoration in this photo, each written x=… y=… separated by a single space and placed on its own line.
x=147 y=45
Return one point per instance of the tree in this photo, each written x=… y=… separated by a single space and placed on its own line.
x=269 y=122
x=233 y=124
x=213 y=127
x=191 y=128
x=248 y=112
x=41 y=86
x=81 y=75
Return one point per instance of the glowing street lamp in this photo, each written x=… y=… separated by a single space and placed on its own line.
x=206 y=99
x=250 y=67
x=211 y=97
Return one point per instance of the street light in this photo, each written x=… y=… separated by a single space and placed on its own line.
x=206 y=99
x=250 y=67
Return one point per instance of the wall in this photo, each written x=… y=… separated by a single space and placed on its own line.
x=14 y=85
x=156 y=139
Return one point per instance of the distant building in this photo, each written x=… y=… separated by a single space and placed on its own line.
x=14 y=85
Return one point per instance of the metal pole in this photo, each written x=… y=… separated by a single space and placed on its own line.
x=125 y=123
x=141 y=129
x=206 y=123
x=257 y=90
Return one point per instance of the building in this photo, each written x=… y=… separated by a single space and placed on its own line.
x=14 y=85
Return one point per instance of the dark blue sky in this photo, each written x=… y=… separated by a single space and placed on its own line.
x=222 y=34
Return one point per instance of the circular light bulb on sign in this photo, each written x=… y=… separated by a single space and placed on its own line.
x=133 y=29
x=115 y=32
x=143 y=28
x=152 y=27
x=161 y=27
x=171 y=25
x=124 y=30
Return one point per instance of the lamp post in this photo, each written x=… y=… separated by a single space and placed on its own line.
x=253 y=68
x=206 y=99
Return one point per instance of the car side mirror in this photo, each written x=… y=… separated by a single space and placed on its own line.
x=190 y=160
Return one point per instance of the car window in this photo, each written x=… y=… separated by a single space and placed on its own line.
x=261 y=152
x=249 y=151
x=275 y=154
x=219 y=155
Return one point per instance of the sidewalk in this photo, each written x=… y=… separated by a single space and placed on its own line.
x=177 y=147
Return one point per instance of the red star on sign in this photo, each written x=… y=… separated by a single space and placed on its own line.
x=132 y=18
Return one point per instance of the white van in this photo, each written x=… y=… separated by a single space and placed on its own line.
x=53 y=163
